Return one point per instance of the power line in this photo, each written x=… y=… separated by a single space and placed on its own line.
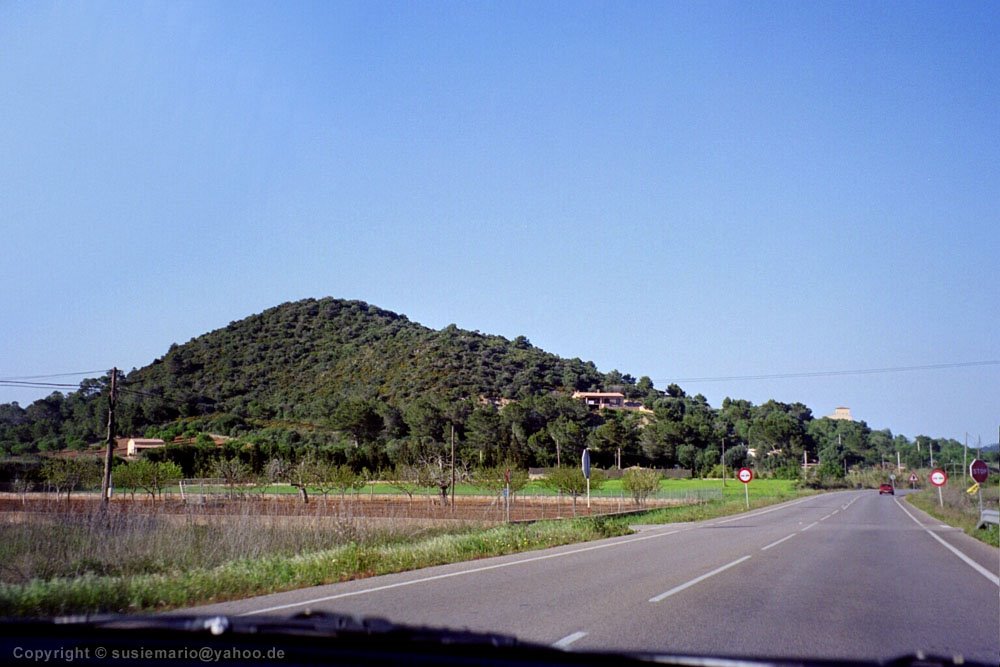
x=53 y=375
x=36 y=385
x=864 y=371
x=137 y=392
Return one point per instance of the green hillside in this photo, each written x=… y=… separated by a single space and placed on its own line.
x=355 y=384
x=298 y=360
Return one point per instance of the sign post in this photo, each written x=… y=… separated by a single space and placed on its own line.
x=586 y=472
x=506 y=494
x=939 y=478
x=980 y=472
x=745 y=475
x=913 y=480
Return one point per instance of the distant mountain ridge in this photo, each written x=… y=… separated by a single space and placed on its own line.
x=302 y=357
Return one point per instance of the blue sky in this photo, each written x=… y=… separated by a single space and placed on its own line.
x=679 y=190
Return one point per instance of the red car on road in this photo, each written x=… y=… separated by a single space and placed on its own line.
x=886 y=488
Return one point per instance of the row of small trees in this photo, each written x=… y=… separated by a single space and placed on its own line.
x=65 y=475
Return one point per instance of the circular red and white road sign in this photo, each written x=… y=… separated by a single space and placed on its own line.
x=939 y=477
x=979 y=470
x=745 y=475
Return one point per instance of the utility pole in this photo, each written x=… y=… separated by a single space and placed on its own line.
x=723 y=462
x=840 y=448
x=930 y=449
x=110 y=452
x=453 y=467
x=965 y=461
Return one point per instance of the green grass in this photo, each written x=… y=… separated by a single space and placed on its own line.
x=730 y=503
x=170 y=565
x=960 y=509
x=612 y=487
x=256 y=576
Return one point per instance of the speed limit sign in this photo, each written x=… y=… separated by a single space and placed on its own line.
x=939 y=477
x=745 y=475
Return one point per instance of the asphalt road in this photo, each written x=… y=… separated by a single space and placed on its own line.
x=842 y=575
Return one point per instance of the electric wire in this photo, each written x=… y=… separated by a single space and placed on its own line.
x=834 y=373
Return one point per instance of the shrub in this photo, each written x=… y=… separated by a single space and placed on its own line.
x=640 y=483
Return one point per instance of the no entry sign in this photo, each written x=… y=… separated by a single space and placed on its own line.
x=745 y=475
x=939 y=477
x=979 y=470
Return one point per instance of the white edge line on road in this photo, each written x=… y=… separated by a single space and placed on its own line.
x=809 y=526
x=774 y=544
x=968 y=561
x=678 y=589
x=460 y=573
x=486 y=568
x=569 y=639
x=756 y=514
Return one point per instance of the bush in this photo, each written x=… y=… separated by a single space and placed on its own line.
x=640 y=483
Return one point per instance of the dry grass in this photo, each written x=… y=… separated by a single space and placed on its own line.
x=65 y=545
x=86 y=562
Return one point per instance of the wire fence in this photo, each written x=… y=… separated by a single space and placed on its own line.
x=219 y=497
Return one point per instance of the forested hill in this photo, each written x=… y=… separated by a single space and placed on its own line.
x=370 y=388
x=296 y=363
x=298 y=360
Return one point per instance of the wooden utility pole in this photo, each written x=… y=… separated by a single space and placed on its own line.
x=723 y=462
x=453 y=467
x=110 y=452
x=965 y=460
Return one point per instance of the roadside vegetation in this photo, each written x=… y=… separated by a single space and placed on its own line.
x=125 y=561
x=961 y=509
x=349 y=384
x=733 y=501
x=333 y=399
x=144 y=563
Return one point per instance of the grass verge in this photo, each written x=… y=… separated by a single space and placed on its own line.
x=959 y=511
x=717 y=508
x=246 y=577
x=180 y=584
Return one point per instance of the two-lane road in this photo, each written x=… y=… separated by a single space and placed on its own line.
x=846 y=575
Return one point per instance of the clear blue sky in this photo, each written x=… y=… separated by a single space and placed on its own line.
x=679 y=190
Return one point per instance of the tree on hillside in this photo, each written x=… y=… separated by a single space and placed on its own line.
x=569 y=437
x=485 y=433
x=425 y=419
x=659 y=441
x=618 y=435
x=359 y=418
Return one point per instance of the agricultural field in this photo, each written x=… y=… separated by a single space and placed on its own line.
x=67 y=557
